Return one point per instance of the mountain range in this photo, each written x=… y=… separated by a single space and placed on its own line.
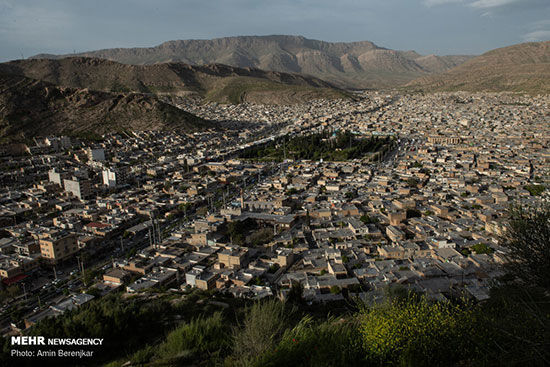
x=359 y=65
x=214 y=82
x=80 y=95
x=519 y=68
x=83 y=94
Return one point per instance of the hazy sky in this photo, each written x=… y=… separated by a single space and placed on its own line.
x=427 y=26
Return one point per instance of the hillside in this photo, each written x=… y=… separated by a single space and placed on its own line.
x=350 y=65
x=213 y=82
x=519 y=68
x=32 y=108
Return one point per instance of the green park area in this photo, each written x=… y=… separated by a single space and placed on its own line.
x=327 y=145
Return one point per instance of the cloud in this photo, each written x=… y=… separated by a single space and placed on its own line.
x=485 y=4
x=491 y=4
x=431 y=3
x=537 y=31
x=536 y=36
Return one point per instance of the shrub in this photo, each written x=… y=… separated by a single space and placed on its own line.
x=414 y=331
x=204 y=336
x=262 y=329
x=329 y=343
x=143 y=356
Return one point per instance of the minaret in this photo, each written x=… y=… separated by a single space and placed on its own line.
x=242 y=200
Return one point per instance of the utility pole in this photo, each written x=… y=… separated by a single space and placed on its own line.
x=158 y=234
x=82 y=263
x=153 y=233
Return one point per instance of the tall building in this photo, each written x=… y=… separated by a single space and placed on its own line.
x=114 y=177
x=58 y=246
x=82 y=189
x=56 y=177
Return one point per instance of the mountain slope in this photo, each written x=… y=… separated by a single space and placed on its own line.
x=353 y=64
x=520 y=68
x=32 y=108
x=214 y=82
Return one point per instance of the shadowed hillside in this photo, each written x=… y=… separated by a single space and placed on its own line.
x=32 y=108
x=215 y=82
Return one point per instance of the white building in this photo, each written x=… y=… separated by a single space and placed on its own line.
x=82 y=189
x=114 y=177
x=54 y=177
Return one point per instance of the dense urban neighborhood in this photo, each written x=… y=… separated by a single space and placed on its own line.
x=239 y=209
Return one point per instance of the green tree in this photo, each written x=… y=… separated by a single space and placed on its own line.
x=413 y=213
x=368 y=219
x=412 y=182
x=295 y=294
x=482 y=248
x=535 y=190
x=516 y=326
x=13 y=291
x=528 y=240
x=89 y=277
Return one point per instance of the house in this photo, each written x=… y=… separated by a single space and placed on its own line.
x=116 y=276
